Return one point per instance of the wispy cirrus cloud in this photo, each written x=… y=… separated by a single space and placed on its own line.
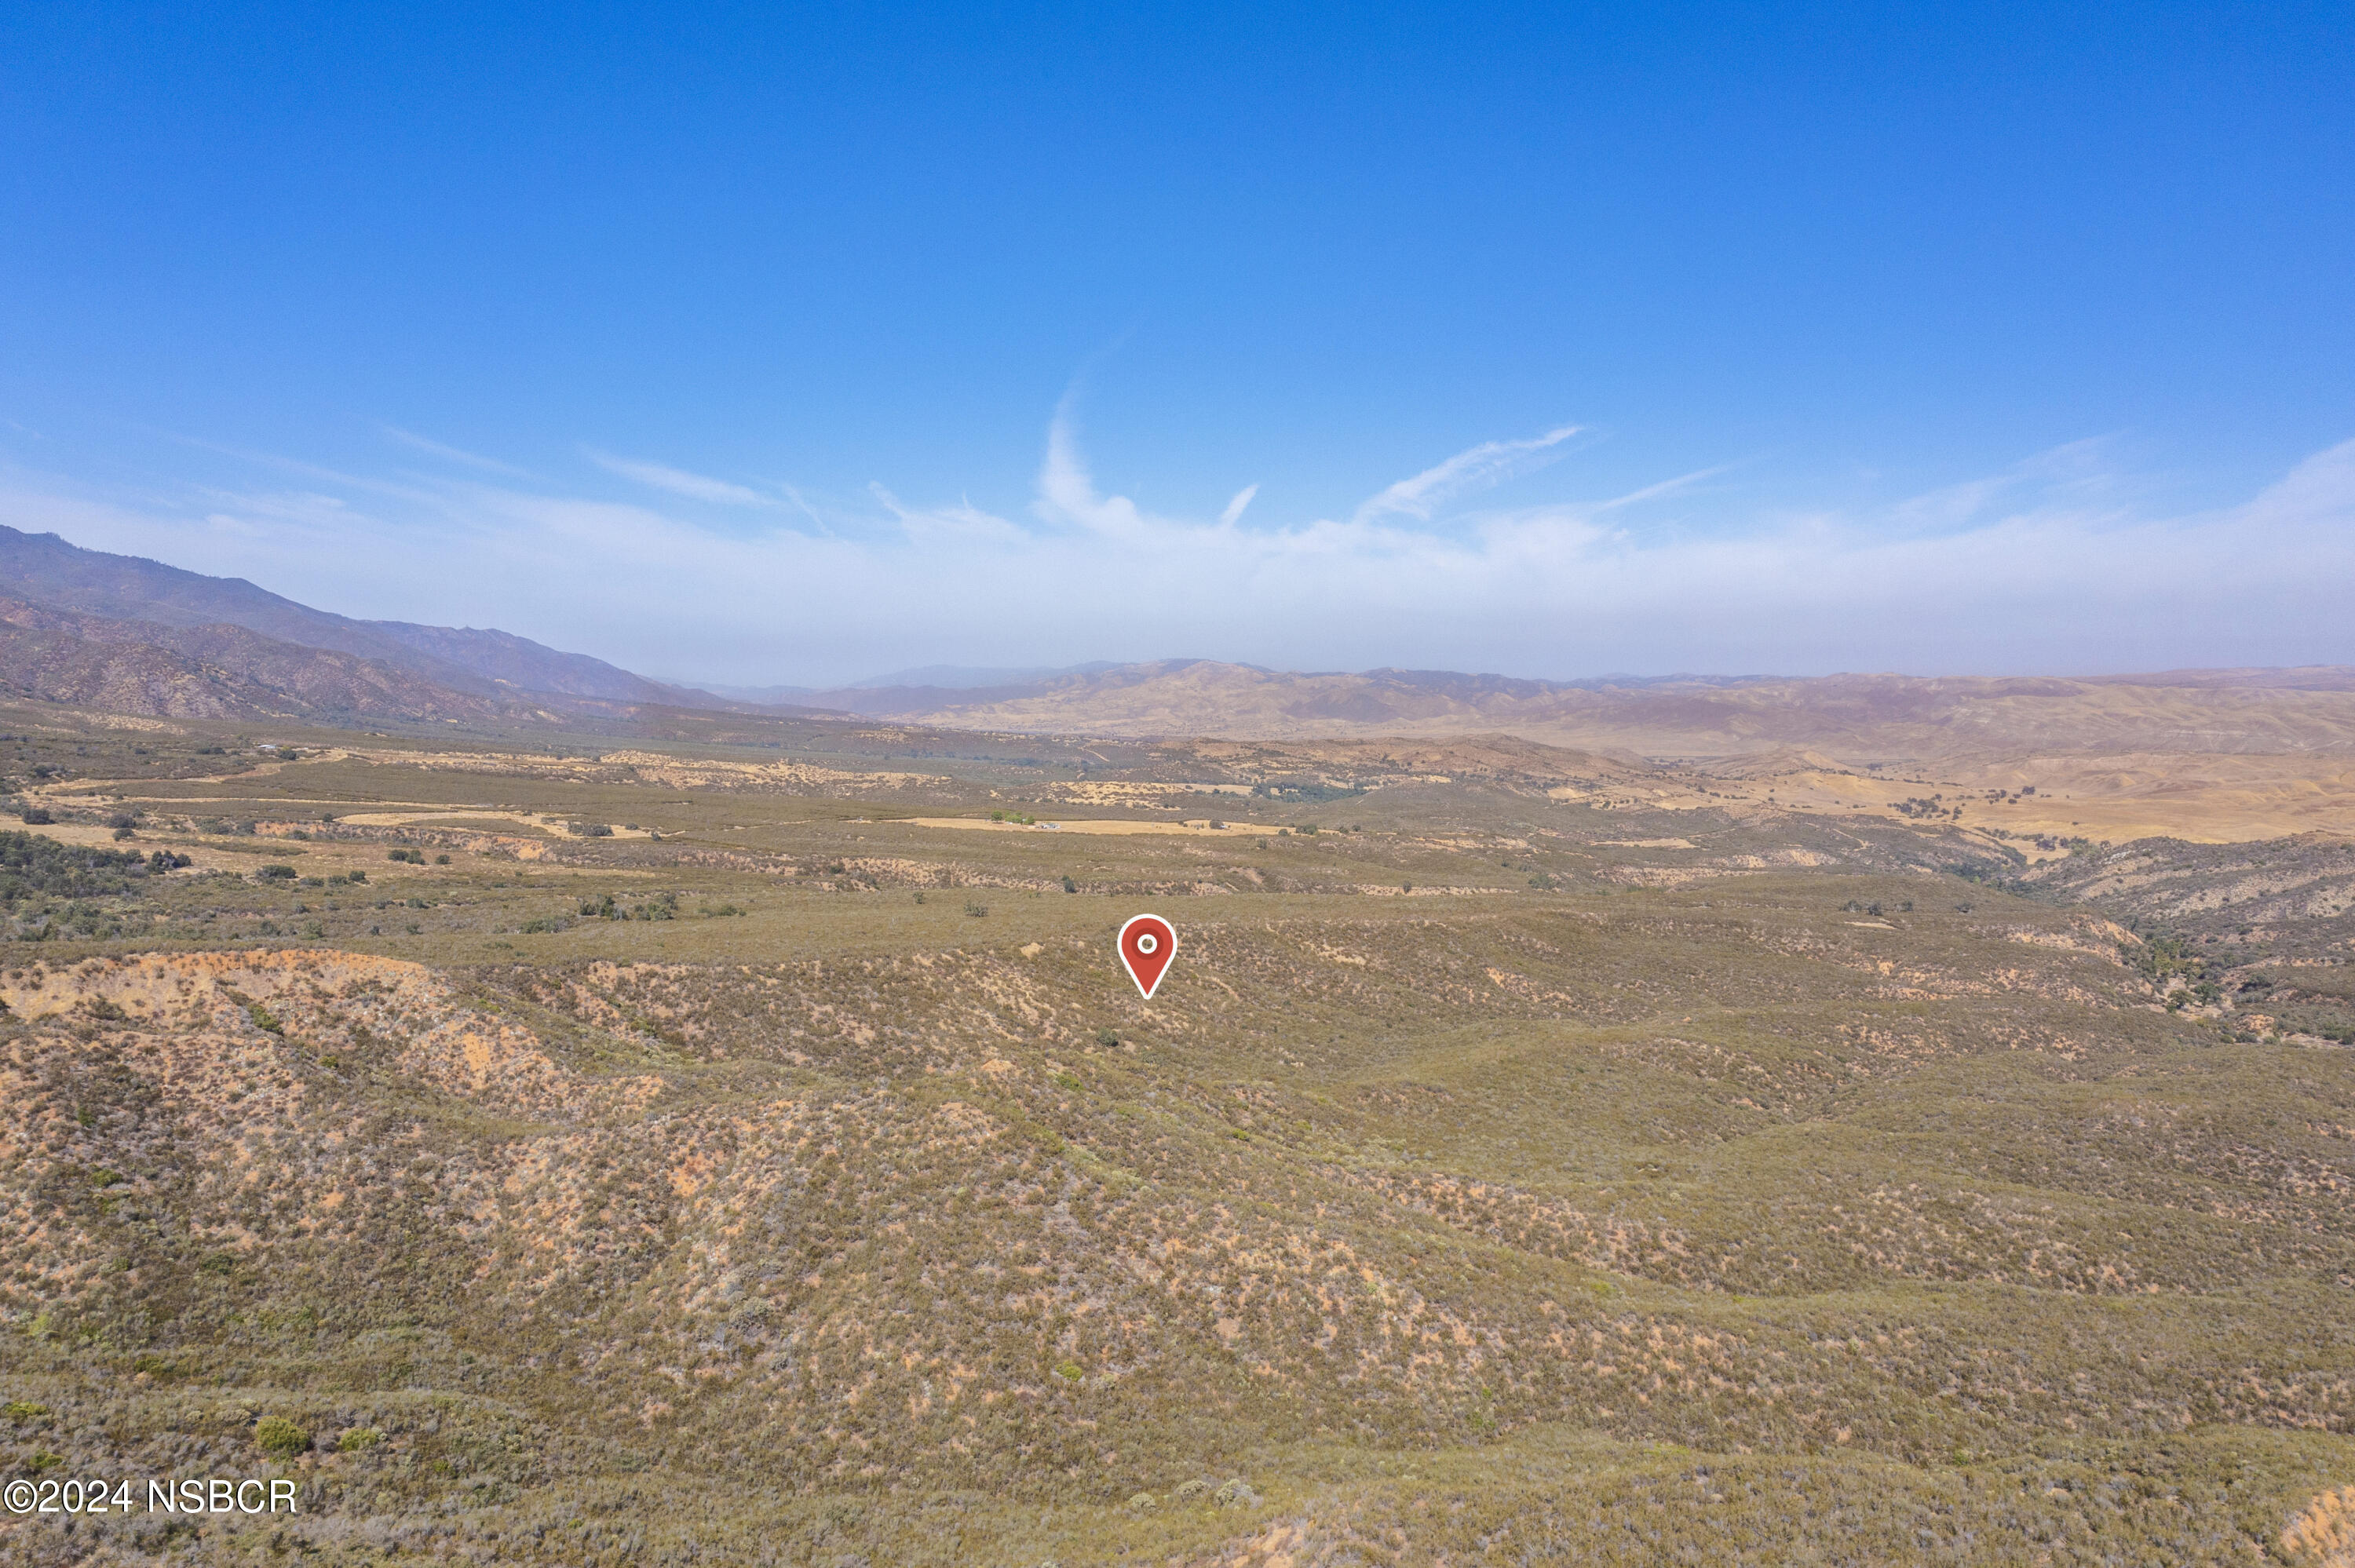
x=679 y=482
x=430 y=447
x=2080 y=469
x=1681 y=484
x=1475 y=468
x=961 y=523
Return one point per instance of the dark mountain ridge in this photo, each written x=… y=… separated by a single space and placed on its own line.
x=218 y=671
x=44 y=568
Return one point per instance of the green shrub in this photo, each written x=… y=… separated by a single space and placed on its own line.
x=275 y=873
x=24 y=1410
x=357 y=1439
x=265 y=1020
x=280 y=1437
x=34 y=866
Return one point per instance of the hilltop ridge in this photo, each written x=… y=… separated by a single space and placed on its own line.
x=1855 y=716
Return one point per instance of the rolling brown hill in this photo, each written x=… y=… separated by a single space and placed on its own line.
x=1851 y=718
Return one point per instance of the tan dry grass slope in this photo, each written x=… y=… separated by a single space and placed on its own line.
x=2218 y=755
x=1856 y=717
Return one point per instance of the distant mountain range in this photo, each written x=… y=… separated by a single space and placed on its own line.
x=124 y=634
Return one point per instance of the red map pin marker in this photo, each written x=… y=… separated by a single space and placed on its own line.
x=1148 y=943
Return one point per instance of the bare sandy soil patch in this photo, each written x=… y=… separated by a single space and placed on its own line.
x=545 y=822
x=1122 y=793
x=691 y=773
x=1199 y=828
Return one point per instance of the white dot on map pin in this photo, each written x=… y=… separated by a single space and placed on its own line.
x=1148 y=943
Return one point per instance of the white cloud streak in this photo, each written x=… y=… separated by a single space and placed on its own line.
x=2047 y=567
x=678 y=482
x=1476 y=468
x=416 y=443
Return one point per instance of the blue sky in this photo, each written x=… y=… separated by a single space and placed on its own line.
x=769 y=345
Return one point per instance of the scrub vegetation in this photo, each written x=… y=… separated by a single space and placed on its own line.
x=1506 y=1172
